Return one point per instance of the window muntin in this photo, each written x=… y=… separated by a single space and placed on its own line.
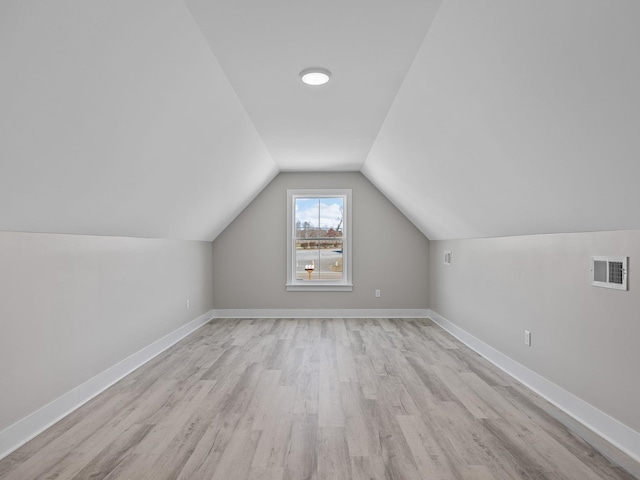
x=318 y=239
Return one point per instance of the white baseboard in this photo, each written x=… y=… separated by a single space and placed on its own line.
x=610 y=429
x=321 y=313
x=615 y=432
x=25 y=429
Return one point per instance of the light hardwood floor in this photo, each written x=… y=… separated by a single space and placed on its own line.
x=313 y=399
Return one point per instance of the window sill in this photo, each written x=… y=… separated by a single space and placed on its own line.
x=319 y=287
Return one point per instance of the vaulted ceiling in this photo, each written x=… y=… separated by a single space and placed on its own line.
x=165 y=118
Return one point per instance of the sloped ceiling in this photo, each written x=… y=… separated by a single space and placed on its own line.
x=165 y=118
x=518 y=118
x=116 y=119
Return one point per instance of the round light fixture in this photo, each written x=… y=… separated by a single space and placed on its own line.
x=315 y=76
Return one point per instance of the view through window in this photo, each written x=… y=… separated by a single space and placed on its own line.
x=319 y=238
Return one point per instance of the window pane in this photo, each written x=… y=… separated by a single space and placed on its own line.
x=331 y=216
x=307 y=217
x=319 y=260
x=307 y=261
x=331 y=259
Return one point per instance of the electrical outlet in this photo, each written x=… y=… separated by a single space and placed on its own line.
x=377 y=293
x=188 y=305
x=527 y=338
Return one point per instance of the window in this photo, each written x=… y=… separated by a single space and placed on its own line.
x=319 y=240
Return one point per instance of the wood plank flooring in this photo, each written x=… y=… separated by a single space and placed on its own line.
x=276 y=399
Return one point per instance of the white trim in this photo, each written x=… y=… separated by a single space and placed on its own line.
x=346 y=284
x=16 y=435
x=612 y=430
x=322 y=313
x=607 y=427
x=325 y=287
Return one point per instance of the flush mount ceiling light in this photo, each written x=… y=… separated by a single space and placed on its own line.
x=315 y=76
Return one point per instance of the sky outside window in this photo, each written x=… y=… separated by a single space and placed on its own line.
x=319 y=213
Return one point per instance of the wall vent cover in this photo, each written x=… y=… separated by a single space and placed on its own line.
x=609 y=272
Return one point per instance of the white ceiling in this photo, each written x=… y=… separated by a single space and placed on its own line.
x=518 y=118
x=368 y=45
x=116 y=119
x=165 y=118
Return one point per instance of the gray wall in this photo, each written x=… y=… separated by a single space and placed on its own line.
x=389 y=252
x=72 y=306
x=584 y=338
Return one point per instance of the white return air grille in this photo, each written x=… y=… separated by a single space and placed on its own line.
x=609 y=272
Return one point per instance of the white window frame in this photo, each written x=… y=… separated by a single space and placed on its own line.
x=294 y=285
